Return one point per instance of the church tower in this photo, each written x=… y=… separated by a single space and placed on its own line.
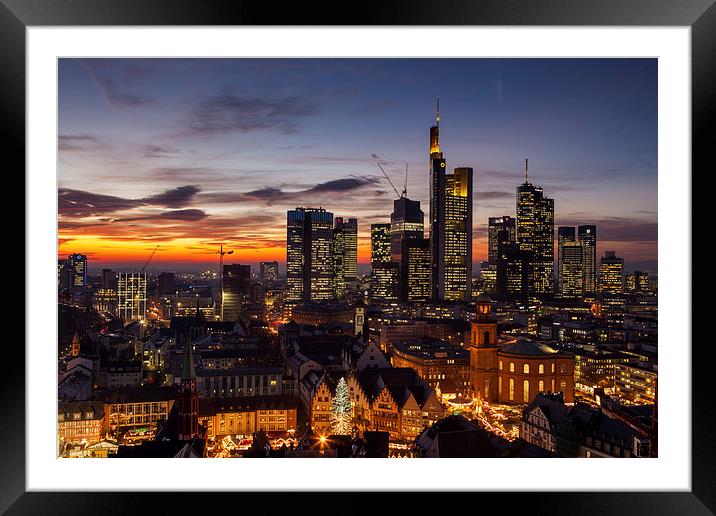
x=188 y=399
x=483 y=351
x=75 y=346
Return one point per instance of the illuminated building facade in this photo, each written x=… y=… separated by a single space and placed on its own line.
x=244 y=416
x=380 y=243
x=77 y=263
x=588 y=238
x=571 y=269
x=80 y=421
x=611 y=273
x=416 y=270
x=535 y=234
x=635 y=383
x=514 y=372
x=488 y=276
x=235 y=285
x=443 y=366
x=105 y=300
x=268 y=272
x=350 y=249
x=309 y=254
x=132 y=296
x=450 y=225
x=513 y=272
x=140 y=407
x=384 y=273
x=339 y=258
x=495 y=225
x=64 y=274
x=385 y=280
x=639 y=282
x=410 y=249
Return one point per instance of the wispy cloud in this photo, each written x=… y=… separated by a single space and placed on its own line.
x=115 y=94
x=80 y=203
x=231 y=113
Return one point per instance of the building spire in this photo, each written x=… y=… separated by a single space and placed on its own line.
x=188 y=371
x=437 y=111
x=525 y=170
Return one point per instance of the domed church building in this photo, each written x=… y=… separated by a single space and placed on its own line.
x=514 y=371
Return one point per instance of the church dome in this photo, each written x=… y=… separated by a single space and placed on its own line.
x=528 y=347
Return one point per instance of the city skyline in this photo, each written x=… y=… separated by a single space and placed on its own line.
x=152 y=152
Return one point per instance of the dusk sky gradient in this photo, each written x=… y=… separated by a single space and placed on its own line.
x=191 y=153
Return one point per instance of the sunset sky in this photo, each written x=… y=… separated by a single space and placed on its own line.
x=190 y=153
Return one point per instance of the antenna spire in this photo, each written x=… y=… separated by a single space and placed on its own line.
x=526 y=170
x=437 y=111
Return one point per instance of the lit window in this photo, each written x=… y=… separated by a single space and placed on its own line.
x=541 y=369
x=500 y=365
x=512 y=367
x=526 y=391
x=526 y=368
x=512 y=389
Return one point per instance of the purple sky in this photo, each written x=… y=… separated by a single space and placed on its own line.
x=188 y=153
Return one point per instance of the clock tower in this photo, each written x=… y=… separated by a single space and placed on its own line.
x=483 y=351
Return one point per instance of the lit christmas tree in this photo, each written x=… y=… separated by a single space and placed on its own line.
x=341 y=418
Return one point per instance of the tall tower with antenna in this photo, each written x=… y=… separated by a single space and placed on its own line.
x=450 y=224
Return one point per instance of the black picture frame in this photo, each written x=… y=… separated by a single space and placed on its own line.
x=700 y=15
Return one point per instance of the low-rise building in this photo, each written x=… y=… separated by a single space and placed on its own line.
x=79 y=422
x=636 y=383
x=130 y=409
x=248 y=414
x=445 y=367
x=577 y=430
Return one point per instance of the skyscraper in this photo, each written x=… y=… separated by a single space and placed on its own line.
x=565 y=234
x=350 y=253
x=494 y=226
x=410 y=249
x=268 y=272
x=379 y=243
x=166 y=284
x=132 y=296
x=450 y=224
x=571 y=268
x=588 y=238
x=513 y=268
x=611 y=273
x=309 y=254
x=339 y=257
x=235 y=287
x=77 y=263
x=64 y=274
x=415 y=270
x=384 y=273
x=535 y=234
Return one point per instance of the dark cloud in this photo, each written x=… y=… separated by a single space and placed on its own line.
x=114 y=94
x=160 y=151
x=190 y=215
x=230 y=113
x=175 y=198
x=270 y=195
x=80 y=142
x=80 y=203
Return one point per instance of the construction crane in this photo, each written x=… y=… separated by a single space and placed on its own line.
x=221 y=254
x=405 y=186
x=149 y=259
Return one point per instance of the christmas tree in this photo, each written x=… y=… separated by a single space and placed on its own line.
x=341 y=418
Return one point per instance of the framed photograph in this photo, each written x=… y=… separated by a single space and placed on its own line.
x=419 y=249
